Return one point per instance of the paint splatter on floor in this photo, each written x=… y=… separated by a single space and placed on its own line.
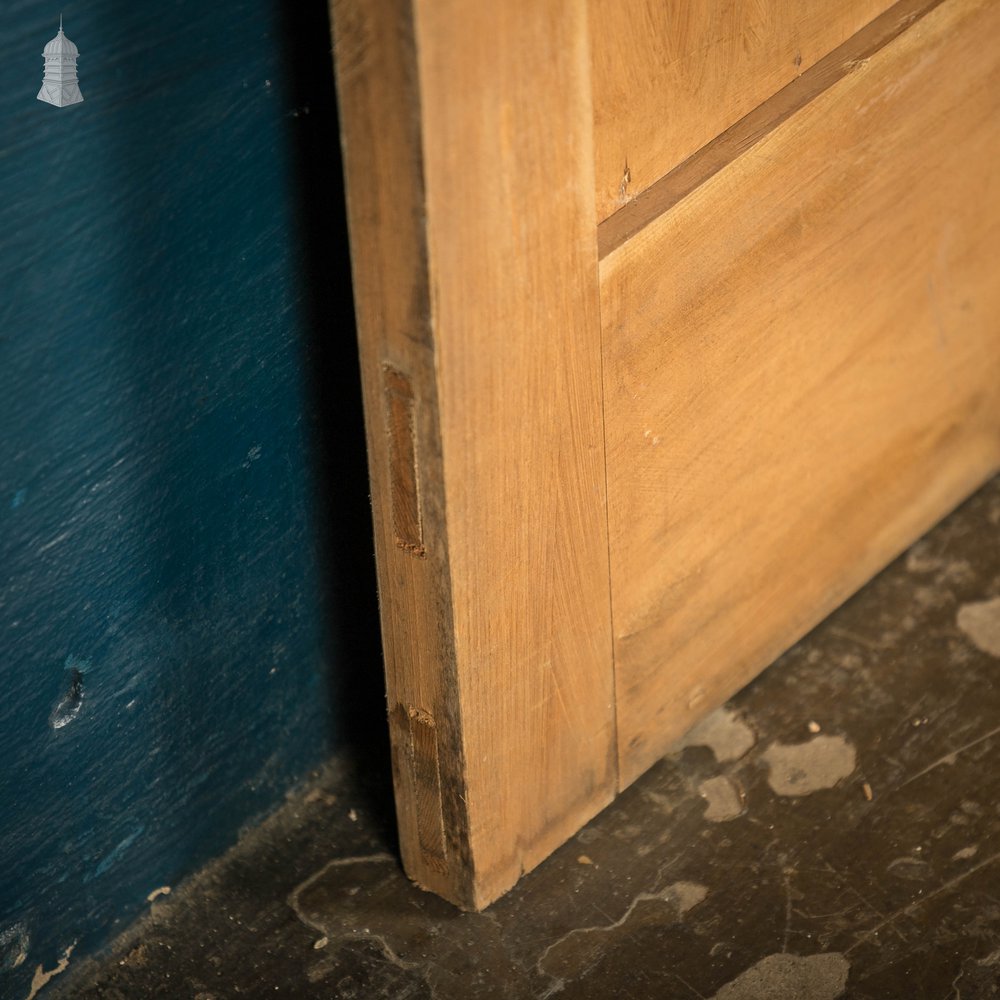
x=980 y=621
x=723 y=798
x=726 y=734
x=790 y=977
x=804 y=768
x=43 y=977
x=579 y=951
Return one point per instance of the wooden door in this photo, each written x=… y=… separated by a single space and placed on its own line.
x=678 y=321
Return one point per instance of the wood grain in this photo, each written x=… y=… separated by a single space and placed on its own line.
x=468 y=150
x=664 y=193
x=671 y=75
x=379 y=99
x=802 y=370
x=513 y=261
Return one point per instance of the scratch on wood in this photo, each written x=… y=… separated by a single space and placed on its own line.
x=623 y=187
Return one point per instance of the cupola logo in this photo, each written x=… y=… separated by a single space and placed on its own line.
x=59 y=85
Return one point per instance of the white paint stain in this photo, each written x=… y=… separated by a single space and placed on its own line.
x=685 y=895
x=803 y=768
x=41 y=978
x=790 y=977
x=562 y=958
x=908 y=867
x=723 y=732
x=293 y=898
x=980 y=621
x=723 y=798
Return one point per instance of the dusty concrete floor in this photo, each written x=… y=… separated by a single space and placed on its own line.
x=834 y=831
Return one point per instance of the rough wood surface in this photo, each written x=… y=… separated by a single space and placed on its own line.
x=670 y=75
x=468 y=141
x=802 y=370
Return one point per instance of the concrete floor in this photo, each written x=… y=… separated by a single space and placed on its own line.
x=834 y=831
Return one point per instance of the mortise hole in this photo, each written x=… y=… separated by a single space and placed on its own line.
x=404 y=478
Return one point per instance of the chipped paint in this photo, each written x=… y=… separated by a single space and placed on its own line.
x=69 y=705
x=14 y=944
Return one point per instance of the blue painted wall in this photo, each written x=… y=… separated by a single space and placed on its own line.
x=184 y=557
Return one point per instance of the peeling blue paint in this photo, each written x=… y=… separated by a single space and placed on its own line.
x=70 y=704
x=14 y=944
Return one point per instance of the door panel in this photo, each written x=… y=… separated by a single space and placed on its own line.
x=670 y=75
x=802 y=372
